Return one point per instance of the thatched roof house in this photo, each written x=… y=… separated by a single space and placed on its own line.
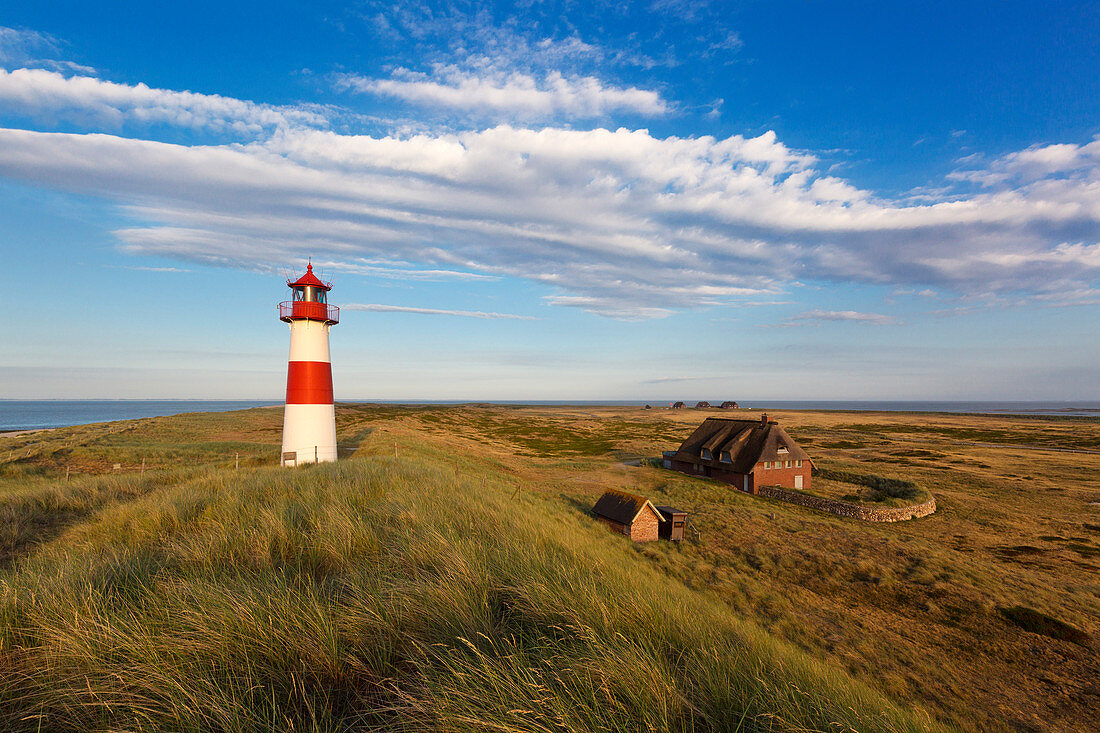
x=704 y=403
x=745 y=453
x=729 y=405
x=629 y=514
x=678 y=405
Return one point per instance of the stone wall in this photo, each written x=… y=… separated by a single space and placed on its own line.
x=846 y=509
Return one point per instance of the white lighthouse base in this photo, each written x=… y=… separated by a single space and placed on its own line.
x=309 y=434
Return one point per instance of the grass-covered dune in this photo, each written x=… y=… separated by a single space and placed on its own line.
x=425 y=592
x=445 y=576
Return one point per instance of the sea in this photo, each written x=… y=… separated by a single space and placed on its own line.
x=38 y=414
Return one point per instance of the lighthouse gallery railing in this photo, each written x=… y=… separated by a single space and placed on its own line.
x=307 y=309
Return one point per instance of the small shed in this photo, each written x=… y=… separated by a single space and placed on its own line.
x=628 y=514
x=672 y=523
x=704 y=403
x=678 y=405
x=729 y=405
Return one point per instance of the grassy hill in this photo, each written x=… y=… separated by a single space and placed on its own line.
x=444 y=576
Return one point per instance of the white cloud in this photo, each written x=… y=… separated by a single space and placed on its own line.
x=1036 y=163
x=820 y=316
x=618 y=222
x=491 y=93
x=42 y=93
x=402 y=272
x=137 y=268
x=379 y=308
x=33 y=48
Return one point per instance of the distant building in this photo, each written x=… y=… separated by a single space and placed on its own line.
x=745 y=453
x=729 y=405
x=629 y=514
x=678 y=405
x=704 y=403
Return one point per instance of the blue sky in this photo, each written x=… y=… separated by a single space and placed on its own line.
x=554 y=200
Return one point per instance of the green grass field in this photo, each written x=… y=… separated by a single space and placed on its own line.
x=445 y=576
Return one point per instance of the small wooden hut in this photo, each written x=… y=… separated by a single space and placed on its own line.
x=672 y=523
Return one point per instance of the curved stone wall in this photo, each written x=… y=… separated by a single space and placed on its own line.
x=846 y=509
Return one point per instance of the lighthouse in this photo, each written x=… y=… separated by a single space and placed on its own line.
x=309 y=418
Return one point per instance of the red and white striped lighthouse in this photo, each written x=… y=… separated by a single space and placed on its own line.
x=309 y=418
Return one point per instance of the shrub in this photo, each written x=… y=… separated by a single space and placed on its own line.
x=1038 y=622
x=883 y=486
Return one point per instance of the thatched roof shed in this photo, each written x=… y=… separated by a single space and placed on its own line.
x=629 y=514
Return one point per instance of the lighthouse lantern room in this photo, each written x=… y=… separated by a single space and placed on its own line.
x=309 y=418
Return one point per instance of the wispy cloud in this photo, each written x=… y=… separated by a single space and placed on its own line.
x=405 y=272
x=518 y=95
x=140 y=268
x=25 y=48
x=379 y=308
x=619 y=222
x=819 y=316
x=673 y=380
x=50 y=94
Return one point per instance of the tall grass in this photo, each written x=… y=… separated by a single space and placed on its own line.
x=384 y=594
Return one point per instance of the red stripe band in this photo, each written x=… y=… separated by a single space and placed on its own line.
x=309 y=383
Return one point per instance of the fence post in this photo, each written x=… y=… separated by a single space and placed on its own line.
x=66 y=472
x=143 y=466
x=238 y=459
x=395 y=449
x=314 y=454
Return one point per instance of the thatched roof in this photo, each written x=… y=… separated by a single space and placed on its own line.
x=747 y=442
x=677 y=405
x=619 y=506
x=704 y=403
x=729 y=405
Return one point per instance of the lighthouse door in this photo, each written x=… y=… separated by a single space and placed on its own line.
x=290 y=458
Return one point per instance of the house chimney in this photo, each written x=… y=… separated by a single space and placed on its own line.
x=764 y=419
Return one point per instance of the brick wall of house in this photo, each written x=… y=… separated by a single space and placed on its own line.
x=737 y=480
x=760 y=476
x=781 y=476
x=644 y=528
x=616 y=527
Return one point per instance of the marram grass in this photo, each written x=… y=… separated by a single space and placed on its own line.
x=375 y=594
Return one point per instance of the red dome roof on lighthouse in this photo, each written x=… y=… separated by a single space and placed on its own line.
x=309 y=279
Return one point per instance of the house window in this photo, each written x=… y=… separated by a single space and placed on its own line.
x=767 y=465
x=707 y=455
x=724 y=456
x=788 y=464
x=798 y=463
